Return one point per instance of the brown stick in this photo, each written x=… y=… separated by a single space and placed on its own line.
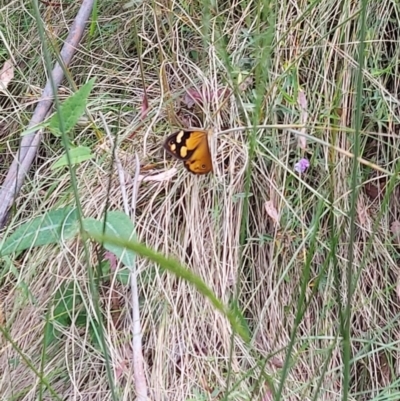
x=30 y=143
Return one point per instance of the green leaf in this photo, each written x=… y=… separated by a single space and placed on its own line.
x=105 y=269
x=94 y=19
x=34 y=128
x=49 y=228
x=118 y=225
x=50 y=334
x=66 y=303
x=66 y=300
x=77 y=155
x=71 y=109
x=82 y=318
x=123 y=275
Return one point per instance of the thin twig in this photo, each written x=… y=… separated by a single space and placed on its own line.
x=30 y=143
x=138 y=362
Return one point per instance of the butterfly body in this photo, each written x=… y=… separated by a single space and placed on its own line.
x=192 y=148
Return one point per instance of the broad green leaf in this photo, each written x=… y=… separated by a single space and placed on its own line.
x=77 y=155
x=71 y=109
x=49 y=228
x=118 y=225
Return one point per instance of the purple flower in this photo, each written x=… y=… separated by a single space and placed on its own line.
x=301 y=166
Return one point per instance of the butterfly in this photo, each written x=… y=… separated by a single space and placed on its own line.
x=192 y=148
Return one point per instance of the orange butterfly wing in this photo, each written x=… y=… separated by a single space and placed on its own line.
x=192 y=148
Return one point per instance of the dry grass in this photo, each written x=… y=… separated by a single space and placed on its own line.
x=216 y=225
